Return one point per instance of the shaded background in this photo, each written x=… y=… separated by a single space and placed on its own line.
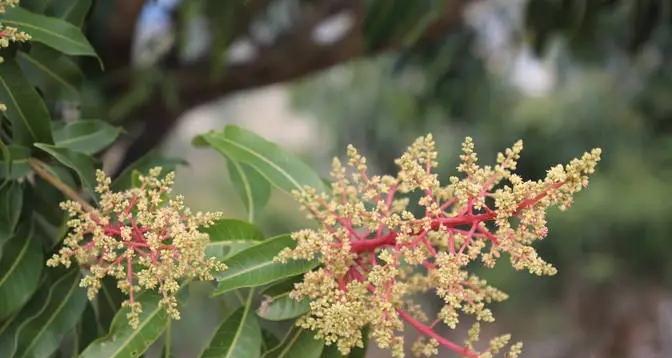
x=564 y=75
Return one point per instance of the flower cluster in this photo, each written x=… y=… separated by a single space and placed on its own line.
x=141 y=238
x=376 y=254
x=10 y=34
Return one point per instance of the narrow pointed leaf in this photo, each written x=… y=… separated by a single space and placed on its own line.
x=255 y=266
x=254 y=189
x=72 y=11
x=124 y=341
x=278 y=306
x=25 y=108
x=283 y=169
x=20 y=268
x=81 y=163
x=230 y=236
x=238 y=336
x=299 y=343
x=51 y=71
x=41 y=334
x=88 y=136
x=55 y=33
x=15 y=162
x=282 y=307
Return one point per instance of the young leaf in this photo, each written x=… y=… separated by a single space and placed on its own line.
x=82 y=164
x=25 y=108
x=21 y=265
x=229 y=236
x=39 y=331
x=55 y=33
x=253 y=189
x=50 y=70
x=255 y=266
x=299 y=343
x=88 y=136
x=282 y=169
x=238 y=336
x=278 y=306
x=124 y=341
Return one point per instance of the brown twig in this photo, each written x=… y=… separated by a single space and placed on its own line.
x=43 y=171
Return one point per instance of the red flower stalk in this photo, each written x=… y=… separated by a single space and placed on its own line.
x=376 y=254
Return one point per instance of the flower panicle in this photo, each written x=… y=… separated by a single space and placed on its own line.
x=141 y=238
x=376 y=254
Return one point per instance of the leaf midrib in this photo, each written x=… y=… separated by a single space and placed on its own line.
x=47 y=70
x=56 y=34
x=44 y=326
x=246 y=311
x=268 y=161
x=22 y=253
x=18 y=108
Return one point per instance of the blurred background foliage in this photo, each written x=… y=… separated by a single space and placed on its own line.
x=564 y=75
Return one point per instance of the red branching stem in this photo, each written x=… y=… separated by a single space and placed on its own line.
x=358 y=246
x=429 y=332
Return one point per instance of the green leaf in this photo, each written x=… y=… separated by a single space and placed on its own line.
x=25 y=108
x=51 y=71
x=21 y=266
x=282 y=307
x=238 y=336
x=88 y=136
x=229 y=236
x=82 y=164
x=124 y=341
x=282 y=169
x=143 y=165
x=16 y=166
x=73 y=11
x=55 y=33
x=255 y=266
x=39 y=328
x=299 y=343
x=11 y=202
x=253 y=189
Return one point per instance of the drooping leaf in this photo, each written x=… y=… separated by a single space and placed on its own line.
x=11 y=202
x=41 y=325
x=124 y=341
x=299 y=343
x=55 y=33
x=72 y=11
x=15 y=162
x=81 y=163
x=51 y=71
x=144 y=164
x=253 y=188
x=20 y=268
x=25 y=108
x=238 y=336
x=255 y=266
x=229 y=236
x=282 y=169
x=87 y=136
